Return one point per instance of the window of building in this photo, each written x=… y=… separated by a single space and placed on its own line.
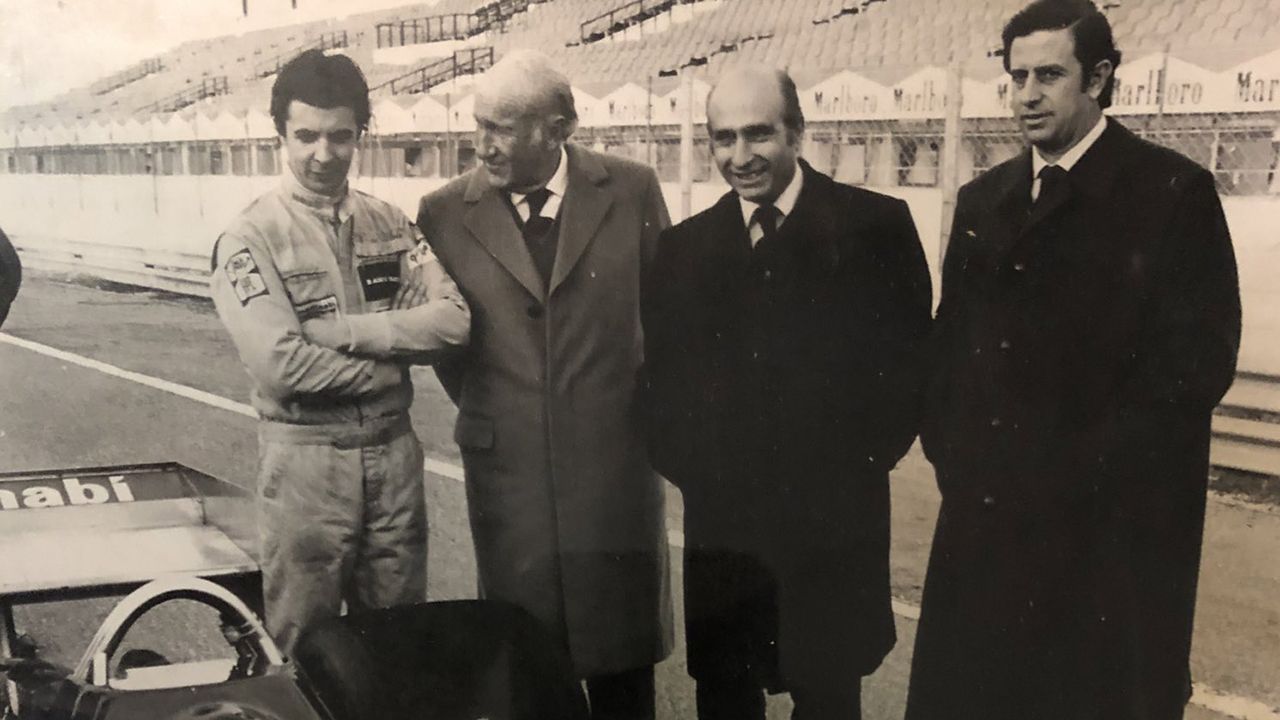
x=413 y=157
x=170 y=160
x=197 y=160
x=239 y=159
x=267 y=160
x=851 y=163
x=217 y=161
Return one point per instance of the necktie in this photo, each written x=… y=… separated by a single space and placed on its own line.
x=536 y=200
x=1053 y=184
x=537 y=234
x=766 y=216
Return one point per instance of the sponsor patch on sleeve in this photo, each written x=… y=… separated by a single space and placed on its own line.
x=421 y=254
x=313 y=309
x=245 y=277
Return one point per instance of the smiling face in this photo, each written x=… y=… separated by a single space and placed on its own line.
x=1054 y=103
x=753 y=149
x=320 y=143
x=519 y=147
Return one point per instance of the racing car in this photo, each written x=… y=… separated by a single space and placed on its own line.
x=166 y=535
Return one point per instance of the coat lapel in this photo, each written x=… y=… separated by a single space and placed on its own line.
x=490 y=221
x=586 y=202
x=812 y=221
x=1091 y=178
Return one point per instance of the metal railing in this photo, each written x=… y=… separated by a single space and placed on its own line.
x=458 y=26
x=422 y=79
x=177 y=272
x=327 y=41
x=127 y=76
x=621 y=18
x=436 y=28
x=208 y=87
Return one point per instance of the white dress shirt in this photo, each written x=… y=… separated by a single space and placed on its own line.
x=1068 y=159
x=558 y=183
x=785 y=203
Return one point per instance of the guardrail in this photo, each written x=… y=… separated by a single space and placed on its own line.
x=177 y=272
x=1246 y=425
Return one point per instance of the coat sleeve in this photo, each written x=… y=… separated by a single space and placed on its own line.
x=906 y=318
x=942 y=339
x=1187 y=352
x=420 y=334
x=252 y=303
x=662 y=400
x=656 y=219
x=450 y=367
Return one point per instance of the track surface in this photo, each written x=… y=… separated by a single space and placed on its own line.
x=58 y=413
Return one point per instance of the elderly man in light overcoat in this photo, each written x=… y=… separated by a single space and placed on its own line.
x=549 y=241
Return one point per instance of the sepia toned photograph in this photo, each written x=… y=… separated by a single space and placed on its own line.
x=639 y=359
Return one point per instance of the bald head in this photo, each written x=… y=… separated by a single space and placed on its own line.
x=762 y=83
x=755 y=124
x=524 y=115
x=526 y=81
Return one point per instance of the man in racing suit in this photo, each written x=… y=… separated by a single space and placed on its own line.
x=329 y=295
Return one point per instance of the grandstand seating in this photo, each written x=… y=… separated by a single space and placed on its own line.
x=807 y=36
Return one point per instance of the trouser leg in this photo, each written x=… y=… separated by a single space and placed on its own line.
x=828 y=701
x=391 y=565
x=730 y=698
x=627 y=695
x=309 y=517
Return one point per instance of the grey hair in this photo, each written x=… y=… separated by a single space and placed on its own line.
x=528 y=79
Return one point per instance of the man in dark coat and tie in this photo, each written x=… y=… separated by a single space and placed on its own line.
x=1089 y=324
x=783 y=330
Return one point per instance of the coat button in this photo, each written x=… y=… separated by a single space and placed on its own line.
x=1019 y=266
x=768 y=274
x=1005 y=344
x=988 y=501
x=996 y=422
x=534 y=311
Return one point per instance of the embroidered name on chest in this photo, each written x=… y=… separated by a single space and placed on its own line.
x=379 y=278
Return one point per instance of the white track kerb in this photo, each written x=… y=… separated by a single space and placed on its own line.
x=1208 y=698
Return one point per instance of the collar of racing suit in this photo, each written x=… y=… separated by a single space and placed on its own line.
x=323 y=204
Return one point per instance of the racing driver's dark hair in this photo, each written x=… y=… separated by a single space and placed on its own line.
x=323 y=81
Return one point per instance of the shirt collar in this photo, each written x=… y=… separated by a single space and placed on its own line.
x=785 y=203
x=323 y=204
x=1072 y=156
x=558 y=183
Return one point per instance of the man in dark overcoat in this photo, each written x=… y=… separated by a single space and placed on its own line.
x=783 y=328
x=1088 y=325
